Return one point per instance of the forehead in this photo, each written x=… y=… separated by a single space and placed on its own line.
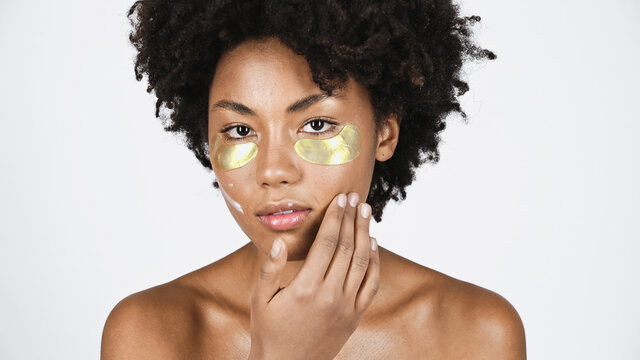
x=256 y=64
x=265 y=74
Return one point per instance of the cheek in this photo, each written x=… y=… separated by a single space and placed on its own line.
x=329 y=181
x=225 y=157
x=348 y=163
x=236 y=205
x=231 y=185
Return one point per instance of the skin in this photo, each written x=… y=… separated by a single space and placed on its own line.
x=416 y=313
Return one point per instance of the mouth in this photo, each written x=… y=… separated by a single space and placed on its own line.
x=284 y=216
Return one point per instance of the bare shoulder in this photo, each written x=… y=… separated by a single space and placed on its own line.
x=457 y=319
x=492 y=327
x=157 y=323
x=478 y=323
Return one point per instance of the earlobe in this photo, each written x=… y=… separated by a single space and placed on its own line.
x=388 y=138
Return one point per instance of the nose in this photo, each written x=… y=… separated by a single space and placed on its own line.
x=276 y=164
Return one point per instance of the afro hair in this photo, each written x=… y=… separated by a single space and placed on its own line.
x=407 y=53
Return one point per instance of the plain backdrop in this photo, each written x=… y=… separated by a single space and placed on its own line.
x=536 y=197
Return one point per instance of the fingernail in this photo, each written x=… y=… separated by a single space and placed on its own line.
x=374 y=244
x=365 y=210
x=353 y=199
x=342 y=200
x=275 y=249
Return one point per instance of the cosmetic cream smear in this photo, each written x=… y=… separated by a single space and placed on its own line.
x=337 y=150
x=230 y=200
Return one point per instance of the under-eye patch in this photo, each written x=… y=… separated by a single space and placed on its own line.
x=229 y=157
x=337 y=150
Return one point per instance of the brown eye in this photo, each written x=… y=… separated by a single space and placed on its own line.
x=317 y=125
x=238 y=131
x=242 y=130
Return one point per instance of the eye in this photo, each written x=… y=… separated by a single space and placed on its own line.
x=237 y=131
x=316 y=126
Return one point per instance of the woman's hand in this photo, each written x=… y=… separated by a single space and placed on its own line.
x=316 y=314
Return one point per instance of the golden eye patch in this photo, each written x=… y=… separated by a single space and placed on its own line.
x=337 y=150
x=229 y=157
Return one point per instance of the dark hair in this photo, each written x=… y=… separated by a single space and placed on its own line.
x=407 y=53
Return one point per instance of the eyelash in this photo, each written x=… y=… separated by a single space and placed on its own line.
x=331 y=124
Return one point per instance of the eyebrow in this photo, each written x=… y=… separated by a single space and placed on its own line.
x=297 y=106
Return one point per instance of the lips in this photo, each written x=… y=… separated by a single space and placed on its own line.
x=283 y=216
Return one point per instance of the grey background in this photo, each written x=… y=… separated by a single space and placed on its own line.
x=535 y=198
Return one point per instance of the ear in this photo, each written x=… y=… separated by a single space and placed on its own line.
x=388 y=138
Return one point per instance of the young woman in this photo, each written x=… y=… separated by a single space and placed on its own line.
x=312 y=115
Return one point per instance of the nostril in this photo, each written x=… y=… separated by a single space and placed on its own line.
x=267 y=183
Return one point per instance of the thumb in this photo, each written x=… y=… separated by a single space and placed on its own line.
x=269 y=276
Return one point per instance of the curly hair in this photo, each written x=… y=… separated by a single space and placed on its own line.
x=407 y=53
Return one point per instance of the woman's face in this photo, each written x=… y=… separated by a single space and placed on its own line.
x=257 y=119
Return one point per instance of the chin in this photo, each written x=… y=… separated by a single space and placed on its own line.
x=297 y=246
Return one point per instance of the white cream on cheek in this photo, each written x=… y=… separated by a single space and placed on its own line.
x=233 y=203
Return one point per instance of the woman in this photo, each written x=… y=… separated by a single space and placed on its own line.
x=312 y=115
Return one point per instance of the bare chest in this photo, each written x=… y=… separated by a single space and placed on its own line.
x=393 y=339
x=363 y=344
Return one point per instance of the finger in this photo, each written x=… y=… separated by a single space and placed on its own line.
x=321 y=252
x=362 y=253
x=268 y=282
x=371 y=283
x=344 y=252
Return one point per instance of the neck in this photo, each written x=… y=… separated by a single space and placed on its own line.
x=245 y=281
x=256 y=257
